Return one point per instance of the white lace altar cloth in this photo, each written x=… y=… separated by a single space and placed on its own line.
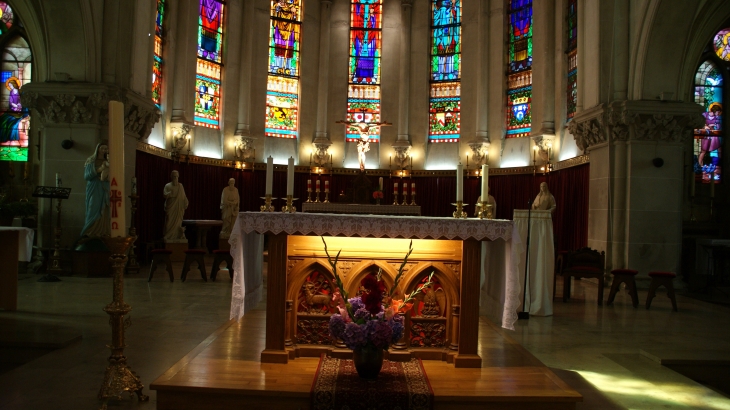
x=247 y=246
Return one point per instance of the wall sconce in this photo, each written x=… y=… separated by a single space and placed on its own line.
x=180 y=138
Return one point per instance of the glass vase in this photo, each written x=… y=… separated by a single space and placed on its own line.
x=368 y=361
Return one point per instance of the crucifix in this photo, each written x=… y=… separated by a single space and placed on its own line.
x=363 y=128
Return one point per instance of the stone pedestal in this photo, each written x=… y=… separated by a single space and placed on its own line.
x=178 y=250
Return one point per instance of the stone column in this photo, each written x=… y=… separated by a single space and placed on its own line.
x=635 y=203
x=543 y=68
x=182 y=89
x=497 y=68
x=402 y=145
x=321 y=138
x=480 y=144
x=245 y=143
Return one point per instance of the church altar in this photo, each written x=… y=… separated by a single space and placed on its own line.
x=338 y=208
x=444 y=327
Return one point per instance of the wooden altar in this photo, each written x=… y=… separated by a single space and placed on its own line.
x=444 y=327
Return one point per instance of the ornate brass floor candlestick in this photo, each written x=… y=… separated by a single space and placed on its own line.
x=309 y=195
x=316 y=196
x=395 y=198
x=460 y=213
x=58 y=193
x=405 y=198
x=267 y=207
x=133 y=265
x=485 y=211
x=118 y=377
x=289 y=207
x=326 y=196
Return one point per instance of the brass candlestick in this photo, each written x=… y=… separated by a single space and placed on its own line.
x=460 y=213
x=413 y=198
x=395 y=196
x=326 y=196
x=316 y=197
x=309 y=194
x=133 y=265
x=405 y=198
x=485 y=211
x=267 y=207
x=118 y=377
x=289 y=207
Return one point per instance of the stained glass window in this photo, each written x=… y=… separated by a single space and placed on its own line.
x=721 y=44
x=157 y=58
x=519 y=69
x=210 y=59
x=15 y=71
x=572 y=49
x=445 y=99
x=708 y=139
x=282 y=88
x=363 y=92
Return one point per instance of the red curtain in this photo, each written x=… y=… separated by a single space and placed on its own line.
x=204 y=184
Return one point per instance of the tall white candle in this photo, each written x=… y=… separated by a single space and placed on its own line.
x=317 y=185
x=116 y=169
x=380 y=184
x=459 y=182
x=290 y=177
x=485 y=182
x=269 y=175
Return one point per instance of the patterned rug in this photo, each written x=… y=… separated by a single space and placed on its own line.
x=399 y=386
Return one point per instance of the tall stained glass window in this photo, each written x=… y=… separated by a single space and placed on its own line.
x=708 y=139
x=519 y=69
x=572 y=50
x=158 y=62
x=210 y=64
x=15 y=71
x=282 y=87
x=445 y=99
x=363 y=91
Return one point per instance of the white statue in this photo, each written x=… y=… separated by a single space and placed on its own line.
x=490 y=201
x=175 y=205
x=363 y=128
x=544 y=200
x=229 y=207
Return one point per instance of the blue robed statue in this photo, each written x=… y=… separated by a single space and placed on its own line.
x=96 y=174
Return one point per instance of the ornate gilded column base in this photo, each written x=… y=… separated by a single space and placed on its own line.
x=267 y=207
x=289 y=207
x=460 y=213
x=118 y=377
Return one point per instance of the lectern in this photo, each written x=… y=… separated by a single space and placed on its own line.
x=58 y=193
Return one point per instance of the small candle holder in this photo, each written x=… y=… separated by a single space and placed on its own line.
x=460 y=213
x=267 y=207
x=326 y=196
x=485 y=211
x=316 y=196
x=309 y=195
x=405 y=198
x=413 y=199
x=395 y=196
x=289 y=207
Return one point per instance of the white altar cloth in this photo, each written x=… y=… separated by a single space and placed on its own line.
x=25 y=241
x=500 y=237
x=539 y=301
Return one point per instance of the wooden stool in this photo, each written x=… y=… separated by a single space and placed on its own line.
x=659 y=279
x=197 y=256
x=160 y=256
x=221 y=256
x=624 y=276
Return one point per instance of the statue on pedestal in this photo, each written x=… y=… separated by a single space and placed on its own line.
x=490 y=201
x=229 y=207
x=175 y=205
x=97 y=222
x=544 y=201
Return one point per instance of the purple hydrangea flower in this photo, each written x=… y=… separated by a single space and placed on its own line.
x=337 y=326
x=398 y=328
x=356 y=303
x=381 y=335
x=362 y=313
x=354 y=336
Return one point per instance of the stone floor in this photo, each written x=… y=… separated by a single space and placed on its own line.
x=597 y=350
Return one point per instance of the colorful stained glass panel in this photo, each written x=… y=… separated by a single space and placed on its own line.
x=708 y=139
x=721 y=44
x=365 y=42
x=210 y=30
x=284 y=37
x=445 y=112
x=519 y=116
x=363 y=106
x=446 y=40
x=572 y=91
x=282 y=106
x=520 y=35
x=6 y=17
x=15 y=69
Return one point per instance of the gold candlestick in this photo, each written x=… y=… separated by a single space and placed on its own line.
x=118 y=377
x=267 y=207
x=309 y=194
x=413 y=199
x=395 y=196
x=405 y=198
x=460 y=213
x=289 y=207
x=326 y=196
x=485 y=211
x=316 y=197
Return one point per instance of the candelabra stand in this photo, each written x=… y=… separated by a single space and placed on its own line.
x=316 y=198
x=460 y=213
x=133 y=265
x=326 y=196
x=405 y=198
x=267 y=207
x=395 y=196
x=289 y=207
x=119 y=377
x=58 y=193
x=309 y=195
x=413 y=199
x=485 y=211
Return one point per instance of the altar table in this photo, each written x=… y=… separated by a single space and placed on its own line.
x=247 y=283
x=541 y=267
x=338 y=208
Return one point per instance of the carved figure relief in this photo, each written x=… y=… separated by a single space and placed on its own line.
x=315 y=295
x=428 y=334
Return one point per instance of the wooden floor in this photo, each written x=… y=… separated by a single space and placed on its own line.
x=224 y=371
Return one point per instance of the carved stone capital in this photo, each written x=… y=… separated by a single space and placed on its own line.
x=180 y=137
x=402 y=153
x=244 y=149
x=85 y=103
x=480 y=151
x=321 y=146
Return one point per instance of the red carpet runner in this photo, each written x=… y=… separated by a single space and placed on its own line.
x=400 y=385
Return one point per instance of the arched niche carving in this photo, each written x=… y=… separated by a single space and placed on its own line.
x=309 y=320
x=301 y=271
x=447 y=277
x=358 y=272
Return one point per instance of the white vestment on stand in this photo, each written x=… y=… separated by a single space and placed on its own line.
x=539 y=301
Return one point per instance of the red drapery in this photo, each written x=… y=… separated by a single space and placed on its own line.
x=204 y=185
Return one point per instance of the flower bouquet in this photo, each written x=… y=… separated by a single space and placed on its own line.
x=378 y=195
x=370 y=323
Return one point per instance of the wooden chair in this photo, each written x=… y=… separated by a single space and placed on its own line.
x=197 y=256
x=220 y=257
x=161 y=256
x=659 y=279
x=584 y=263
x=559 y=262
x=624 y=276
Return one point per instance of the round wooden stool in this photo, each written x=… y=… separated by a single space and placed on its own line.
x=659 y=279
x=197 y=256
x=624 y=276
x=221 y=256
x=161 y=256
